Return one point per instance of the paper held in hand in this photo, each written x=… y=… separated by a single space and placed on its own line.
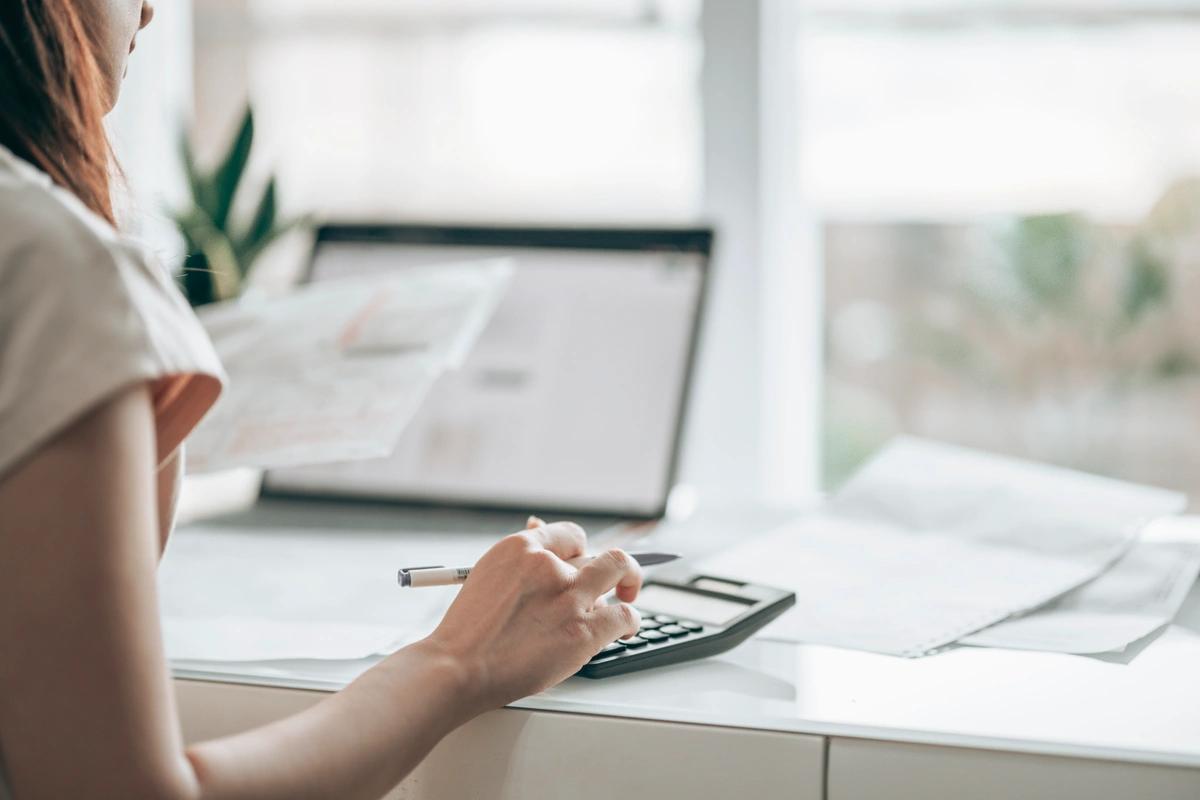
x=334 y=371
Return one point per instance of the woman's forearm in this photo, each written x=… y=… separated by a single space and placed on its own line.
x=358 y=743
x=86 y=698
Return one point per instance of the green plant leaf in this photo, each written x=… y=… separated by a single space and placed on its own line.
x=1175 y=364
x=262 y=224
x=190 y=245
x=251 y=252
x=196 y=280
x=208 y=227
x=214 y=245
x=1147 y=283
x=1047 y=254
x=249 y=255
x=229 y=174
x=201 y=187
x=222 y=260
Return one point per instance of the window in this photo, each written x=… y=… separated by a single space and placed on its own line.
x=1010 y=227
x=523 y=109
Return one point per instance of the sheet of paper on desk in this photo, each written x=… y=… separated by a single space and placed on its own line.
x=1137 y=596
x=929 y=543
x=257 y=639
x=257 y=594
x=335 y=370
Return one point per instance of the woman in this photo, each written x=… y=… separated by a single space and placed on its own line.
x=103 y=373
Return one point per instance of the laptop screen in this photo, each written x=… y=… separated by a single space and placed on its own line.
x=572 y=399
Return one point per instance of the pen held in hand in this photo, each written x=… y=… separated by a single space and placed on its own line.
x=418 y=577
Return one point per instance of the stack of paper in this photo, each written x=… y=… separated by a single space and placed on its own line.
x=334 y=371
x=1138 y=595
x=931 y=543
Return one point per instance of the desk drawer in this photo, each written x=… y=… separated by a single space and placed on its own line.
x=862 y=769
x=514 y=754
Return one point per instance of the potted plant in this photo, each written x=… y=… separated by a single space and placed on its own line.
x=221 y=247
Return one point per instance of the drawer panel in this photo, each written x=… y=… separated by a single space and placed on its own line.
x=862 y=769
x=515 y=754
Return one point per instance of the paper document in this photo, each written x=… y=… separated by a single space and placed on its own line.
x=1135 y=597
x=260 y=593
x=335 y=370
x=929 y=543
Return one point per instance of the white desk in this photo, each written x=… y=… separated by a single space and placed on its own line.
x=800 y=721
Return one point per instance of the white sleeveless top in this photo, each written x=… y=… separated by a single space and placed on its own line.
x=83 y=315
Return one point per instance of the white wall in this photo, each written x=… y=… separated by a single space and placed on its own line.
x=155 y=103
x=753 y=433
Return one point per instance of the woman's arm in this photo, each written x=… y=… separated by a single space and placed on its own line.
x=86 y=705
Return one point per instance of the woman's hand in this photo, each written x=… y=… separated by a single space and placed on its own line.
x=526 y=619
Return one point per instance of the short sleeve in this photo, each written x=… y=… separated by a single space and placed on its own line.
x=82 y=317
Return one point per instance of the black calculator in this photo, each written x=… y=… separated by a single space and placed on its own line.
x=697 y=617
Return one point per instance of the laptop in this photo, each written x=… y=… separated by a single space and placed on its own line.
x=570 y=406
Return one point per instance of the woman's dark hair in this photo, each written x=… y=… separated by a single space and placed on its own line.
x=53 y=98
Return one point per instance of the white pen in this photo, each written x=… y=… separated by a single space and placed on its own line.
x=418 y=577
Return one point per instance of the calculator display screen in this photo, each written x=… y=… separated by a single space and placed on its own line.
x=688 y=605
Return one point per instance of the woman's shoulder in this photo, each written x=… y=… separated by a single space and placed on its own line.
x=45 y=227
x=60 y=262
x=53 y=249
x=84 y=312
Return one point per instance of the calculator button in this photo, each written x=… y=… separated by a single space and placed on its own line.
x=673 y=630
x=694 y=627
x=653 y=636
x=609 y=650
x=635 y=641
x=665 y=620
x=650 y=625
